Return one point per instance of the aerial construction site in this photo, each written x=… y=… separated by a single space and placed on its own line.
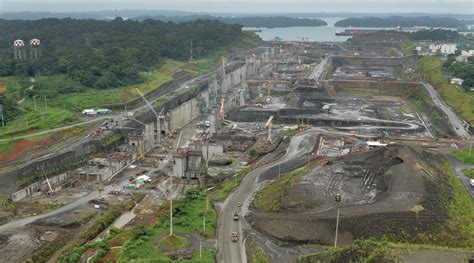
x=294 y=147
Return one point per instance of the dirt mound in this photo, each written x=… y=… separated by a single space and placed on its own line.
x=386 y=191
x=17 y=245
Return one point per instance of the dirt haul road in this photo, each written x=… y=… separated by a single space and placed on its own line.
x=457 y=123
x=228 y=251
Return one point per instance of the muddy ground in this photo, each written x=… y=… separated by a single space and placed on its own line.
x=387 y=191
x=22 y=243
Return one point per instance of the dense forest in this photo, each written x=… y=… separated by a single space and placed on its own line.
x=394 y=21
x=441 y=35
x=105 y=54
x=461 y=70
x=256 y=21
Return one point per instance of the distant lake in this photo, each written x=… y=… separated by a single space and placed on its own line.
x=317 y=33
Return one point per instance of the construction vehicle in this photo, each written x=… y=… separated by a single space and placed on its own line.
x=141 y=153
x=302 y=127
x=169 y=134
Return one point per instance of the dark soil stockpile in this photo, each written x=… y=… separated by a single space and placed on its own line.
x=393 y=191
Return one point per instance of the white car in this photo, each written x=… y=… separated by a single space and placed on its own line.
x=472 y=182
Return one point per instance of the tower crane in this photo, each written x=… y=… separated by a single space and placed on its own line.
x=158 y=116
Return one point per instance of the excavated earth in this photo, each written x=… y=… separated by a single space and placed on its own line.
x=391 y=191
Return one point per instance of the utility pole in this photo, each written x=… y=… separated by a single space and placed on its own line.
x=200 y=247
x=45 y=104
x=279 y=170
x=470 y=146
x=204 y=222
x=34 y=101
x=309 y=158
x=338 y=200
x=191 y=55
x=171 y=191
x=1 y=112
x=171 y=205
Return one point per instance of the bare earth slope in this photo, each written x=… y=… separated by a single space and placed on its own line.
x=386 y=191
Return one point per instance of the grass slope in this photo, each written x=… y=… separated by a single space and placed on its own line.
x=272 y=196
x=188 y=217
x=460 y=101
x=464 y=156
x=461 y=212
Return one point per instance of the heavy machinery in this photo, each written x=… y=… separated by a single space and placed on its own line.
x=169 y=134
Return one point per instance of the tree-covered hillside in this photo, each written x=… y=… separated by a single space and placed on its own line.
x=82 y=57
x=394 y=21
x=255 y=21
x=103 y=54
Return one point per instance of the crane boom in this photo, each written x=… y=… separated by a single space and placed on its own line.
x=268 y=122
x=221 y=111
x=47 y=181
x=148 y=103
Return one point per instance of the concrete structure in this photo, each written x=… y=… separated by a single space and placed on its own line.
x=457 y=81
x=444 y=48
x=99 y=169
x=19 y=49
x=187 y=164
x=214 y=150
x=467 y=53
x=136 y=140
x=183 y=114
x=462 y=58
x=35 y=45
x=40 y=187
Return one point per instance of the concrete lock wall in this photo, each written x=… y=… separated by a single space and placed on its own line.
x=183 y=114
x=214 y=150
x=179 y=167
x=66 y=159
x=226 y=84
x=81 y=152
x=35 y=189
x=178 y=79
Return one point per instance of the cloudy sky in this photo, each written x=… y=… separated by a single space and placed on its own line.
x=252 y=6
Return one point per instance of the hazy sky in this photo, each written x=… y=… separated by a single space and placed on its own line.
x=254 y=6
